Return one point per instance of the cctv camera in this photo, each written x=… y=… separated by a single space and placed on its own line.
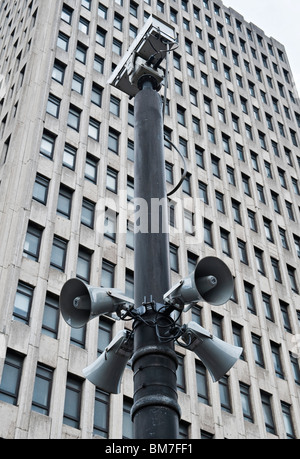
x=149 y=48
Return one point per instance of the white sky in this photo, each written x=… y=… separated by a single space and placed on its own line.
x=278 y=19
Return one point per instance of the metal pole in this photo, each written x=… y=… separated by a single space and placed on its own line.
x=155 y=412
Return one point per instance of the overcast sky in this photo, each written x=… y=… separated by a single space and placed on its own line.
x=278 y=19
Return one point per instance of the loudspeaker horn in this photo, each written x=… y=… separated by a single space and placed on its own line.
x=217 y=355
x=211 y=281
x=79 y=302
x=107 y=371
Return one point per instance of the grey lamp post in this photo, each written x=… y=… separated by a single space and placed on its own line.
x=155 y=411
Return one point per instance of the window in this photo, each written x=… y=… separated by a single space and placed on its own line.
x=211 y=134
x=130 y=150
x=289 y=208
x=129 y=283
x=110 y=225
x=193 y=96
x=58 y=72
x=207 y=105
x=64 y=202
x=63 y=41
x=250 y=301
x=199 y=156
x=201 y=380
x=74 y=118
x=225 y=243
x=112 y=180
x=131 y=114
x=174 y=258
x=83 y=264
x=81 y=52
x=181 y=115
x=47 y=144
x=203 y=192
x=94 y=129
x=180 y=373
x=83 y=25
x=130 y=188
x=100 y=36
x=51 y=316
x=69 y=157
x=283 y=238
x=98 y=64
x=102 y=11
x=189 y=222
x=101 y=413
x=130 y=235
x=268 y=229
x=88 y=213
x=72 y=402
x=11 y=377
x=169 y=172
x=40 y=190
x=186 y=185
x=201 y=55
x=59 y=252
x=66 y=14
x=221 y=114
x=257 y=350
x=275 y=349
x=127 y=422
x=252 y=220
x=188 y=46
x=295 y=368
x=292 y=276
x=104 y=334
x=246 y=402
x=114 y=106
x=287 y=419
x=23 y=301
x=118 y=21
x=224 y=394
x=42 y=389
x=113 y=141
x=267 y=306
x=218 y=88
x=237 y=332
x=183 y=147
x=32 y=242
x=254 y=160
x=220 y=202
x=117 y=47
x=259 y=261
x=276 y=270
x=267 y=410
x=107 y=274
x=208 y=239
x=86 y=4
x=236 y=211
x=77 y=83
x=230 y=175
x=226 y=143
x=91 y=167
x=275 y=200
x=260 y=192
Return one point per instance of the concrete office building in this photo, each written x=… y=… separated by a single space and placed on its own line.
x=66 y=143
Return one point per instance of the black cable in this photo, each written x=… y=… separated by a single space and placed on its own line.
x=184 y=168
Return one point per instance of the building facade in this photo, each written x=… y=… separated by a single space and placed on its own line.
x=67 y=143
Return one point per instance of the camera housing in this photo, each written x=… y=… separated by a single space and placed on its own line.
x=148 y=50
